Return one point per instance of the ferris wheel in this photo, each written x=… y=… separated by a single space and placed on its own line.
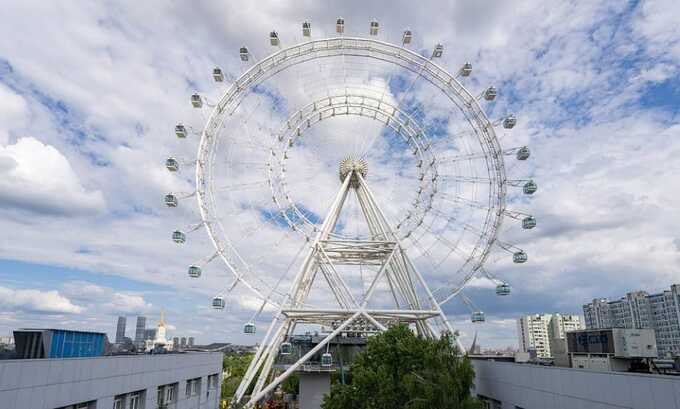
x=350 y=183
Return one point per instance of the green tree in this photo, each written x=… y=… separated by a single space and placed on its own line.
x=398 y=369
x=234 y=367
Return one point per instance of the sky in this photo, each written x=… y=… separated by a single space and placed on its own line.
x=90 y=94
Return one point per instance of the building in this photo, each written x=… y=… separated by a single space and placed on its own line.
x=58 y=343
x=532 y=331
x=537 y=332
x=172 y=381
x=190 y=342
x=149 y=334
x=614 y=349
x=140 y=331
x=183 y=342
x=175 y=343
x=511 y=385
x=120 y=330
x=638 y=309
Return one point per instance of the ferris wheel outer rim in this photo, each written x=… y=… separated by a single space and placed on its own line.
x=217 y=116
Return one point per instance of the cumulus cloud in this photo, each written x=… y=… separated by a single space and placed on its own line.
x=101 y=87
x=36 y=177
x=49 y=302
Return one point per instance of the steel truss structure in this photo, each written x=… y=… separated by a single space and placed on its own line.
x=413 y=300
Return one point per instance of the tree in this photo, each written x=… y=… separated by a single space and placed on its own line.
x=234 y=367
x=398 y=369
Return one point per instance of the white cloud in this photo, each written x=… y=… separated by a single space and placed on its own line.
x=36 y=177
x=102 y=88
x=37 y=301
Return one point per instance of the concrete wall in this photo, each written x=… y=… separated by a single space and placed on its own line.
x=528 y=386
x=313 y=387
x=53 y=383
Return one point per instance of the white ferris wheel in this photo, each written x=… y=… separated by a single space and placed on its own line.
x=348 y=183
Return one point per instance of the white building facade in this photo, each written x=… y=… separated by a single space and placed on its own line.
x=172 y=381
x=660 y=312
x=537 y=330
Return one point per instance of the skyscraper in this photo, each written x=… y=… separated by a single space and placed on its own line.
x=638 y=309
x=190 y=341
x=140 y=330
x=120 y=330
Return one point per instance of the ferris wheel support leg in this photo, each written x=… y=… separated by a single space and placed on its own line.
x=271 y=355
x=274 y=383
x=257 y=361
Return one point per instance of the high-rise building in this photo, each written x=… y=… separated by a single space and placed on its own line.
x=150 y=333
x=638 y=309
x=538 y=330
x=175 y=343
x=183 y=342
x=120 y=330
x=532 y=331
x=139 y=330
x=190 y=341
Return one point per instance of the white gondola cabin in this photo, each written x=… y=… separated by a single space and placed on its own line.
x=407 y=37
x=286 y=348
x=519 y=257
x=438 y=51
x=530 y=188
x=523 y=153
x=194 y=271
x=170 y=200
x=172 y=164
x=340 y=25
x=218 y=303
x=477 y=316
x=243 y=52
x=196 y=101
x=218 y=76
x=249 y=328
x=529 y=222
x=503 y=289
x=466 y=69
x=180 y=131
x=326 y=360
x=373 y=27
x=509 y=122
x=274 y=38
x=179 y=237
x=306 y=29
x=490 y=93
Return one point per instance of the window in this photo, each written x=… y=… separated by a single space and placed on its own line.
x=212 y=381
x=136 y=401
x=119 y=402
x=193 y=387
x=166 y=394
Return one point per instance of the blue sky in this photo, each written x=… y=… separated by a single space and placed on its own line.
x=90 y=93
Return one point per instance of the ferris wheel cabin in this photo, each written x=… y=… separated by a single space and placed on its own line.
x=286 y=348
x=406 y=38
x=180 y=131
x=466 y=69
x=218 y=76
x=249 y=328
x=306 y=29
x=179 y=237
x=519 y=257
x=340 y=25
x=326 y=360
x=477 y=316
x=490 y=93
x=243 y=52
x=170 y=200
x=218 y=303
x=274 y=38
x=523 y=153
x=503 y=289
x=171 y=164
x=196 y=101
x=509 y=122
x=373 y=29
x=530 y=187
x=194 y=271
x=529 y=222
x=438 y=51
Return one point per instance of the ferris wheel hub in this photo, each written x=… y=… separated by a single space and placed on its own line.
x=354 y=165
